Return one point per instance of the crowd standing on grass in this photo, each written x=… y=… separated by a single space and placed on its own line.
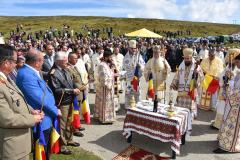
x=45 y=75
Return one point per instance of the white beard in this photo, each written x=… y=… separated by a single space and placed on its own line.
x=157 y=64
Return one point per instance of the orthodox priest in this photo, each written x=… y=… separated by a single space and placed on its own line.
x=159 y=68
x=104 y=109
x=133 y=64
x=212 y=67
x=229 y=134
x=186 y=81
x=225 y=78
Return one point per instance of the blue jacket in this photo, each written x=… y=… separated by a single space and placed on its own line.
x=33 y=88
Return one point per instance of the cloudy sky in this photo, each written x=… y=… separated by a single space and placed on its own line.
x=218 y=11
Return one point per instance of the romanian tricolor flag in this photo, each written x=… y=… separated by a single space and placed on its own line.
x=39 y=144
x=150 y=86
x=135 y=80
x=192 y=89
x=85 y=109
x=210 y=84
x=75 y=114
x=55 y=135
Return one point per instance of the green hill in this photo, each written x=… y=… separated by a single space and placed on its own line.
x=120 y=25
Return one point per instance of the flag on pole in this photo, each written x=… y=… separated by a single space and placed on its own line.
x=40 y=143
x=55 y=135
x=135 y=80
x=75 y=114
x=150 y=86
x=85 y=109
x=210 y=84
x=192 y=89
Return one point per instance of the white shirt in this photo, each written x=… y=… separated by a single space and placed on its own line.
x=51 y=59
x=203 y=53
x=86 y=59
x=118 y=60
x=81 y=66
x=82 y=70
x=96 y=60
x=220 y=55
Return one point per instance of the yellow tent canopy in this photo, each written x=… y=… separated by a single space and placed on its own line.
x=143 y=33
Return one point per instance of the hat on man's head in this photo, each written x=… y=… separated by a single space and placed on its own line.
x=2 y=40
x=232 y=54
x=132 y=43
x=156 y=48
x=187 y=52
x=107 y=52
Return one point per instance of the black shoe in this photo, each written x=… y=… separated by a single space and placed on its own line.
x=81 y=129
x=213 y=127
x=108 y=123
x=219 y=151
x=78 y=134
x=66 y=152
x=74 y=144
x=120 y=91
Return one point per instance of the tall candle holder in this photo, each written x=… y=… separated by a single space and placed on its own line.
x=170 y=109
x=132 y=102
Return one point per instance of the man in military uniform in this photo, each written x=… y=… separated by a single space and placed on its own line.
x=62 y=86
x=77 y=82
x=16 y=117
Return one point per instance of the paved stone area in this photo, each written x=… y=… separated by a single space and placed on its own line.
x=107 y=141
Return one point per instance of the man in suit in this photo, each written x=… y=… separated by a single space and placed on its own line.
x=34 y=88
x=48 y=59
x=16 y=117
x=62 y=86
x=20 y=63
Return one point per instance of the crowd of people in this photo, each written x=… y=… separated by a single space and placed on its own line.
x=40 y=77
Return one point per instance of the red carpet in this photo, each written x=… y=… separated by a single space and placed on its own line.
x=135 y=153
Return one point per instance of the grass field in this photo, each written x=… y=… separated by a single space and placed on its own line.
x=78 y=154
x=120 y=25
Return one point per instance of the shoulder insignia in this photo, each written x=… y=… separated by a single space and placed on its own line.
x=69 y=67
x=2 y=80
x=52 y=71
